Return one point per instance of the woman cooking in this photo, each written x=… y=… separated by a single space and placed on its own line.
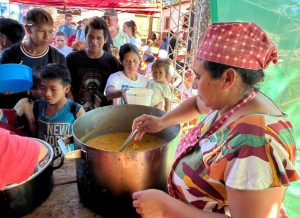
x=239 y=160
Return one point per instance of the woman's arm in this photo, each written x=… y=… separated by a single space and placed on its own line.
x=154 y=203
x=259 y=204
x=112 y=93
x=186 y=111
x=242 y=204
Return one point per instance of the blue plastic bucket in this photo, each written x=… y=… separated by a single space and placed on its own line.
x=15 y=77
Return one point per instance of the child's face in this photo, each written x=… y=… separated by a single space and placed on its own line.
x=60 y=41
x=40 y=35
x=68 y=21
x=36 y=91
x=53 y=91
x=126 y=29
x=159 y=75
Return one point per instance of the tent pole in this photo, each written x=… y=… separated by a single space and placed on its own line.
x=150 y=25
x=161 y=22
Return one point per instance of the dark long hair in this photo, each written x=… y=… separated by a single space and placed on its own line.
x=100 y=24
x=250 y=77
x=128 y=47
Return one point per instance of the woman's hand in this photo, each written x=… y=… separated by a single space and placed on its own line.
x=123 y=95
x=150 y=203
x=146 y=123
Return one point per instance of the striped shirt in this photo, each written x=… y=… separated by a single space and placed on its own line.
x=256 y=152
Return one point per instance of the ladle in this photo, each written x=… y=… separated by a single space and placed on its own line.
x=128 y=140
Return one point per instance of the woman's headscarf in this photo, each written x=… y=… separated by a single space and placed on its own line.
x=244 y=45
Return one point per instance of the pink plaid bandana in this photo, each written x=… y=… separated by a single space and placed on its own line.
x=243 y=45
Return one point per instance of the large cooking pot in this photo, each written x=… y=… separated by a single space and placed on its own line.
x=16 y=200
x=107 y=179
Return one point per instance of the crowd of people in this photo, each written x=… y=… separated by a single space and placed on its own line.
x=75 y=70
x=236 y=162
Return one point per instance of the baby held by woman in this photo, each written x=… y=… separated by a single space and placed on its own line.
x=159 y=84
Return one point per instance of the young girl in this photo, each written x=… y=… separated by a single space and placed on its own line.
x=129 y=27
x=159 y=84
x=147 y=51
x=24 y=106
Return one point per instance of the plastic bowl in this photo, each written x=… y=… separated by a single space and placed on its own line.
x=15 y=77
x=140 y=96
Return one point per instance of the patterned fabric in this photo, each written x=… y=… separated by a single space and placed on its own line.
x=264 y=142
x=243 y=45
x=187 y=143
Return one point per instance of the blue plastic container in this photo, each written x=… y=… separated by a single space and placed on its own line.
x=15 y=78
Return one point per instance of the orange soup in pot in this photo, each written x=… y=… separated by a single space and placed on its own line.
x=113 y=141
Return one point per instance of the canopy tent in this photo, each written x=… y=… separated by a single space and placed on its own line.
x=130 y=6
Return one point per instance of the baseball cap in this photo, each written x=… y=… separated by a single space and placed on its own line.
x=110 y=12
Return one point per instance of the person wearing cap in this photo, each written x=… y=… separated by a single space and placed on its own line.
x=240 y=159
x=119 y=37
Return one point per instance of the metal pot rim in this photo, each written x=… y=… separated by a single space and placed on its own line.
x=112 y=107
x=116 y=152
x=50 y=152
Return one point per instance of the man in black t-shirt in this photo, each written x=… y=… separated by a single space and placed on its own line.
x=91 y=67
